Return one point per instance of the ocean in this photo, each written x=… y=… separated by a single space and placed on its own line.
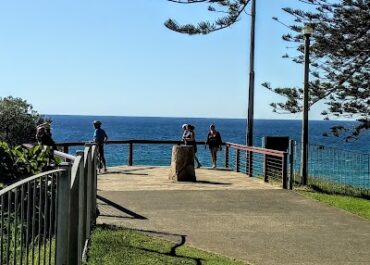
x=79 y=128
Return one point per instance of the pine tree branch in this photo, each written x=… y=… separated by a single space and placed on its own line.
x=234 y=10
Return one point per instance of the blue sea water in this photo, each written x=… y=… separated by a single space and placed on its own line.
x=79 y=128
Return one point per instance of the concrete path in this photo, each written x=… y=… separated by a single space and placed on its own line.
x=233 y=215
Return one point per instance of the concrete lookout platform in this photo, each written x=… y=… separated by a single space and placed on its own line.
x=231 y=214
x=156 y=178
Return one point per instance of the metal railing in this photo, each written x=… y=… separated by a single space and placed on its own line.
x=47 y=218
x=337 y=171
x=330 y=169
x=271 y=165
x=130 y=144
x=266 y=163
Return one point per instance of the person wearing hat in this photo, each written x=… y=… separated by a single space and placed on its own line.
x=100 y=137
x=214 y=142
x=43 y=135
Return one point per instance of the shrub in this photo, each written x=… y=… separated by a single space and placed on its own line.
x=18 y=121
x=20 y=162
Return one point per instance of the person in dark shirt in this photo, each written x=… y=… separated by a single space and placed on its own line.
x=214 y=142
x=100 y=137
x=43 y=135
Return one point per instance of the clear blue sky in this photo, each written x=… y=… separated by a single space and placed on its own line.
x=116 y=58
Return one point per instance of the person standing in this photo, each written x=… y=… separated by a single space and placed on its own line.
x=100 y=137
x=43 y=135
x=185 y=132
x=214 y=142
x=189 y=139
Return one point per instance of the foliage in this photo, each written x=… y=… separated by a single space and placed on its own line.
x=231 y=10
x=111 y=245
x=20 y=162
x=18 y=121
x=339 y=61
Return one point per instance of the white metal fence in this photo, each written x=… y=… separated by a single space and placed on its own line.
x=47 y=218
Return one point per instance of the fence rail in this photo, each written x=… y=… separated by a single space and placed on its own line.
x=259 y=162
x=337 y=171
x=330 y=169
x=47 y=218
x=254 y=161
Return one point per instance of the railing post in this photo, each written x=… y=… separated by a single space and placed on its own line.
x=62 y=215
x=94 y=174
x=75 y=211
x=226 y=156
x=250 y=163
x=81 y=206
x=265 y=168
x=237 y=166
x=130 y=153
x=88 y=178
x=285 y=170
x=291 y=163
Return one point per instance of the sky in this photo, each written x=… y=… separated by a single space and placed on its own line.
x=116 y=58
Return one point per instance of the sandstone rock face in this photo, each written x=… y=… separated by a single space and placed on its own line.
x=182 y=163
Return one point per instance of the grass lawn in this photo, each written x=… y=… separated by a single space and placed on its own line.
x=354 y=205
x=112 y=246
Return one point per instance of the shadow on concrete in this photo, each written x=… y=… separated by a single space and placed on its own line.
x=114 y=216
x=117 y=170
x=219 y=169
x=212 y=182
x=137 y=169
x=124 y=172
x=120 y=208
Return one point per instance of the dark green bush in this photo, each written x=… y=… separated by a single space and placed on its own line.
x=21 y=162
x=18 y=121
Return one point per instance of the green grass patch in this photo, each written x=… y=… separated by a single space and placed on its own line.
x=334 y=188
x=331 y=187
x=354 y=205
x=46 y=253
x=111 y=245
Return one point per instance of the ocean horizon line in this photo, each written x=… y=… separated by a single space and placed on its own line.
x=175 y=117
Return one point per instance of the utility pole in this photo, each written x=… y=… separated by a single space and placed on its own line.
x=249 y=139
x=250 y=120
x=307 y=32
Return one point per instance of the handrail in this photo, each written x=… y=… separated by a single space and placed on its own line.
x=26 y=180
x=257 y=149
x=64 y=155
x=56 y=153
x=131 y=141
x=268 y=153
x=266 y=161
x=75 y=170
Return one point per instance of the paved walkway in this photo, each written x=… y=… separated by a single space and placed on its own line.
x=233 y=215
